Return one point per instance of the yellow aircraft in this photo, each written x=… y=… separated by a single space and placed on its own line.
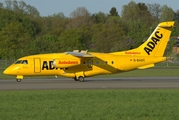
x=81 y=64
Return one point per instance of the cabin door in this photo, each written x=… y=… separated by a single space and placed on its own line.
x=37 y=65
x=90 y=63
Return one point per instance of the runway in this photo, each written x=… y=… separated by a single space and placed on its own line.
x=91 y=83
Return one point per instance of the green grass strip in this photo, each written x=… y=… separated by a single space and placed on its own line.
x=115 y=104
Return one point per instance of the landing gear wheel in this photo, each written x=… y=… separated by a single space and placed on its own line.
x=76 y=79
x=81 y=79
x=18 y=80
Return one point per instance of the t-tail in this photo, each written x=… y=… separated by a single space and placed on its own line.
x=156 y=43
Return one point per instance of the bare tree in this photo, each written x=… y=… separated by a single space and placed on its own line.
x=79 y=12
x=79 y=17
x=167 y=13
x=155 y=10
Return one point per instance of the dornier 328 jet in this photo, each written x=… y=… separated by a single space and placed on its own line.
x=81 y=64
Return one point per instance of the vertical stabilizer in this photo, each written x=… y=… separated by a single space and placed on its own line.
x=158 y=40
x=155 y=44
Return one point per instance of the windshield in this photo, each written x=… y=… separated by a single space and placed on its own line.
x=18 y=62
x=21 y=62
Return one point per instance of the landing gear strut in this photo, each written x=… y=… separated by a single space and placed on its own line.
x=75 y=79
x=19 y=78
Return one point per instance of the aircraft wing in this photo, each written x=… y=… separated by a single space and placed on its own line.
x=78 y=53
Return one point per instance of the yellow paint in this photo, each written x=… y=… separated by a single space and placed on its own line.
x=78 y=64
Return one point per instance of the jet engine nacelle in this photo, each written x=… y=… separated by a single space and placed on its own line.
x=65 y=63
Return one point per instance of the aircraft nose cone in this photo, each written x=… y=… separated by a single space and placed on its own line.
x=6 y=71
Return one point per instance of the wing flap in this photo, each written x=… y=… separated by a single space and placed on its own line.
x=81 y=53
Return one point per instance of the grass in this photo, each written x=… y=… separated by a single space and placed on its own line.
x=115 y=104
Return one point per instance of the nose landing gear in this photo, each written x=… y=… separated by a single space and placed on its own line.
x=19 y=78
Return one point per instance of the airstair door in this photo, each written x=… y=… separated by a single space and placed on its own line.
x=37 y=65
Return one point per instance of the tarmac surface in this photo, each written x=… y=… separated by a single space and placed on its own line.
x=91 y=83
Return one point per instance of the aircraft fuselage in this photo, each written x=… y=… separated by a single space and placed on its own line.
x=70 y=66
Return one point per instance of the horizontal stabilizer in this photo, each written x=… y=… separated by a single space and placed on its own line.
x=166 y=25
x=146 y=66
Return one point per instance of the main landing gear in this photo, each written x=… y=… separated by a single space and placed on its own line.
x=80 y=79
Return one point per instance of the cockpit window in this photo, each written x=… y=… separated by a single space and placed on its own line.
x=24 y=62
x=18 y=62
x=21 y=62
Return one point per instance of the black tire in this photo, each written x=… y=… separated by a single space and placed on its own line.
x=81 y=79
x=18 y=80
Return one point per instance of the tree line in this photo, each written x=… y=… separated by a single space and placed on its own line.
x=24 y=32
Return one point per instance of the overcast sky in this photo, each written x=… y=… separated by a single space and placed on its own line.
x=49 y=7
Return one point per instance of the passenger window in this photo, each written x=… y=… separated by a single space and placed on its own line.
x=24 y=62
x=18 y=62
x=89 y=62
x=112 y=62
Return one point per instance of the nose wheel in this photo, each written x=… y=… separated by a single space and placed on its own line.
x=18 y=80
